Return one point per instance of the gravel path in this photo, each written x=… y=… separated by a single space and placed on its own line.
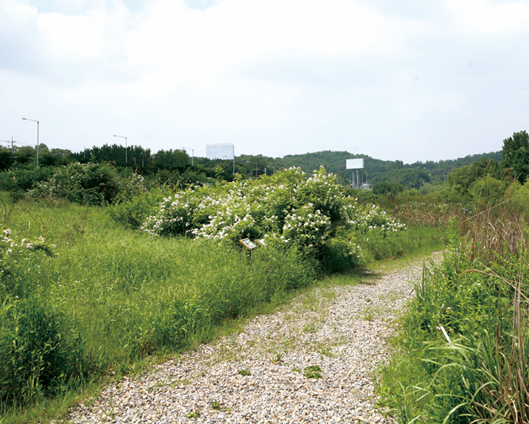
x=339 y=331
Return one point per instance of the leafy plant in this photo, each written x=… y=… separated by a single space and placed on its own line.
x=86 y=184
x=462 y=353
x=313 y=371
x=287 y=209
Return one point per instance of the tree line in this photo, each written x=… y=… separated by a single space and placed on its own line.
x=385 y=176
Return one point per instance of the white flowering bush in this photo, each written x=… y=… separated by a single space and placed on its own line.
x=130 y=187
x=371 y=218
x=15 y=257
x=306 y=226
x=287 y=209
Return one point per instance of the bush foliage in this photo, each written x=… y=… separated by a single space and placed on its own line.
x=290 y=209
x=89 y=184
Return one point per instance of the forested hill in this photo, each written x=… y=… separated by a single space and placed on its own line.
x=409 y=175
x=414 y=175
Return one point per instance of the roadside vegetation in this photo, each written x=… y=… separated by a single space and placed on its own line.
x=462 y=352
x=99 y=271
x=103 y=267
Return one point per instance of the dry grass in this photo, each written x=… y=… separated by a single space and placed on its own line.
x=496 y=229
x=428 y=214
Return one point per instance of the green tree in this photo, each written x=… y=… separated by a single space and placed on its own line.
x=515 y=155
x=408 y=177
x=171 y=159
x=461 y=180
x=6 y=159
x=385 y=187
x=25 y=155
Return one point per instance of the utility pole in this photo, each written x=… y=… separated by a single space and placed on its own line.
x=12 y=144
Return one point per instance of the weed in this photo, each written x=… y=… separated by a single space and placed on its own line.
x=310 y=328
x=476 y=369
x=244 y=372
x=323 y=349
x=216 y=405
x=368 y=314
x=193 y=414
x=176 y=383
x=313 y=371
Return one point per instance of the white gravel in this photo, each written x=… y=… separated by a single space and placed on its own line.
x=340 y=329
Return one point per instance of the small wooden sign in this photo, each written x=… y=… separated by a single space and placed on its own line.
x=250 y=245
x=261 y=242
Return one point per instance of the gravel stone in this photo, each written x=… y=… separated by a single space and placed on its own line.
x=340 y=329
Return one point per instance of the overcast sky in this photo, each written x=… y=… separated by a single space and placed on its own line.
x=413 y=80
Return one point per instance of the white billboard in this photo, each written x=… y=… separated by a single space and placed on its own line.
x=355 y=163
x=220 y=151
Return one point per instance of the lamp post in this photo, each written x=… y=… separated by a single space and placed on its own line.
x=192 y=154
x=255 y=167
x=266 y=169
x=126 y=153
x=38 y=123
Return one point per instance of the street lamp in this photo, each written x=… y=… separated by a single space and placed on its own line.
x=255 y=167
x=32 y=120
x=192 y=154
x=126 y=155
x=266 y=168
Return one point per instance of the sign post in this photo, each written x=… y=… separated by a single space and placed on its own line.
x=250 y=245
x=355 y=164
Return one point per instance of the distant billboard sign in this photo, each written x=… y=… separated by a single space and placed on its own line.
x=220 y=151
x=355 y=163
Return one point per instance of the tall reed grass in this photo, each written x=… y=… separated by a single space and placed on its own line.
x=462 y=354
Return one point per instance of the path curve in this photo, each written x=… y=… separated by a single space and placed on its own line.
x=341 y=330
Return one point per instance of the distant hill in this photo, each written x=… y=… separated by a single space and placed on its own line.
x=413 y=175
x=409 y=175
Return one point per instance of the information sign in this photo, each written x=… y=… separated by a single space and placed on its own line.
x=250 y=245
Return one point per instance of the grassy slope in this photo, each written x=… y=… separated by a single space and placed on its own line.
x=128 y=294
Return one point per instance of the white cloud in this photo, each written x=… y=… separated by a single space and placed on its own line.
x=273 y=76
x=193 y=45
x=491 y=18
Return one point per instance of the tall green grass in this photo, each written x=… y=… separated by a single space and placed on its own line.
x=111 y=296
x=462 y=353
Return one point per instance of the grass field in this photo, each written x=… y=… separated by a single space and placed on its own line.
x=110 y=300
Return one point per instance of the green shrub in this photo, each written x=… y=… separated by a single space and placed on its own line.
x=39 y=354
x=341 y=255
x=86 y=184
x=288 y=209
x=134 y=211
x=20 y=181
